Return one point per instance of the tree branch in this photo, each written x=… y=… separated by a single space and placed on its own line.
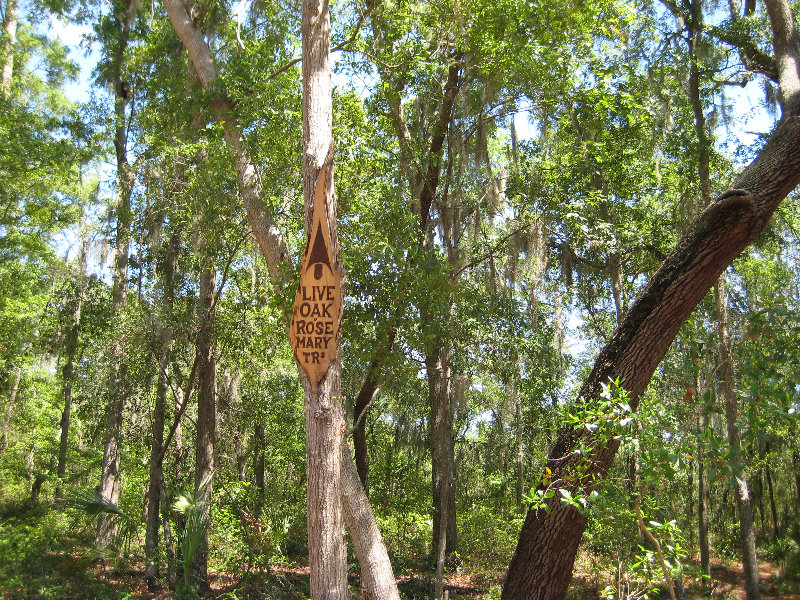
x=787 y=54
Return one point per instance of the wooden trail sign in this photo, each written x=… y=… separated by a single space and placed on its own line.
x=317 y=312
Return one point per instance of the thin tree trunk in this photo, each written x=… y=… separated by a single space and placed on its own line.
x=744 y=506
x=235 y=408
x=796 y=469
x=10 y=29
x=12 y=399
x=109 y=479
x=258 y=463
x=694 y=33
x=441 y=555
x=169 y=550
x=424 y=172
x=67 y=372
x=757 y=502
x=173 y=573
x=206 y=414
x=520 y=459
x=155 y=487
x=702 y=507
x=773 y=510
x=363 y=400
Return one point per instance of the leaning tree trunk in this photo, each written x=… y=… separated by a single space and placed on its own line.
x=744 y=501
x=377 y=582
x=542 y=563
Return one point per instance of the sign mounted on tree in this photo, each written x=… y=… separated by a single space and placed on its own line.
x=317 y=313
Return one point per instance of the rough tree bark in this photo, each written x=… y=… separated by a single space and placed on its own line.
x=437 y=365
x=702 y=506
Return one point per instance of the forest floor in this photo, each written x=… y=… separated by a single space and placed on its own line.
x=45 y=556
x=67 y=577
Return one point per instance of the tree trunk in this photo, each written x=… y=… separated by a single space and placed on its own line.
x=377 y=579
x=234 y=381
x=773 y=509
x=258 y=463
x=206 y=414
x=177 y=441
x=520 y=459
x=363 y=401
x=271 y=242
x=747 y=535
x=542 y=564
x=702 y=507
x=155 y=486
x=442 y=451
x=424 y=172
x=12 y=399
x=796 y=469
x=324 y=413
x=70 y=347
x=109 y=479
x=10 y=29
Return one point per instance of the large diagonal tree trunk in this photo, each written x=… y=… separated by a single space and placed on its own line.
x=542 y=564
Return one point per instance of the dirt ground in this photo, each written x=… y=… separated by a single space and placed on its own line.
x=112 y=582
